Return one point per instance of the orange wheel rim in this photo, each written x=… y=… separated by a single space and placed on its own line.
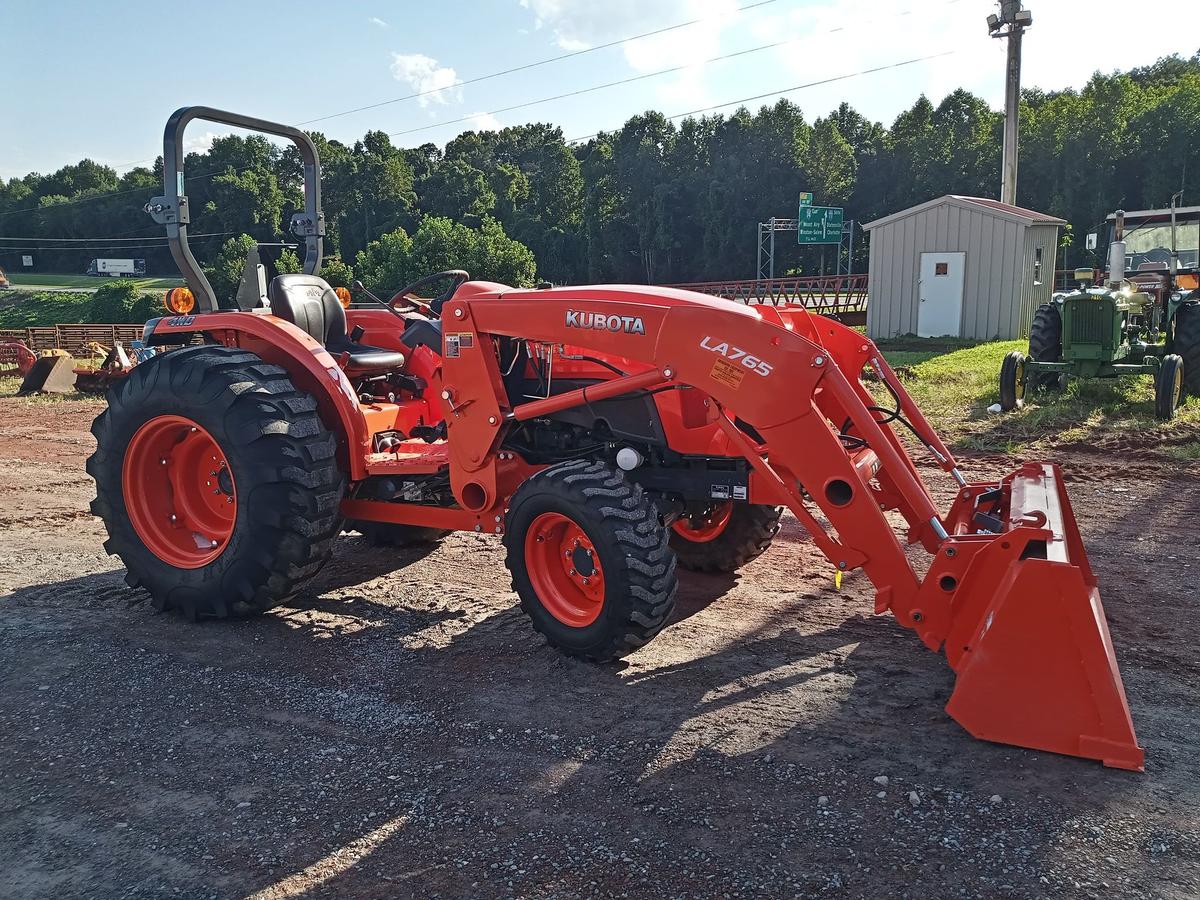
x=179 y=491
x=564 y=569
x=707 y=527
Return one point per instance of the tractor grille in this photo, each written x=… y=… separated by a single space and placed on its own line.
x=1087 y=322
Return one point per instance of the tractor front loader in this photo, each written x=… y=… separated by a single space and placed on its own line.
x=608 y=434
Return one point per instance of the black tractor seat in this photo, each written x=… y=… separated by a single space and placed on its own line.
x=310 y=304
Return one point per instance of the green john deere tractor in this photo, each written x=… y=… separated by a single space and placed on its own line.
x=1144 y=321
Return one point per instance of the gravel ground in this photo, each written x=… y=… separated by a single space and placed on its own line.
x=400 y=730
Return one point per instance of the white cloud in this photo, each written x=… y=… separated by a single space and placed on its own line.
x=579 y=24
x=847 y=36
x=484 y=121
x=435 y=83
x=375 y=20
x=201 y=143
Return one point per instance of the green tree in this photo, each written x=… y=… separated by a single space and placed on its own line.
x=119 y=302
x=225 y=274
x=457 y=190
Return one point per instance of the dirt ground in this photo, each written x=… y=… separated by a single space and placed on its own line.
x=399 y=730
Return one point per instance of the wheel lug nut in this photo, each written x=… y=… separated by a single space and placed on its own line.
x=572 y=571
x=213 y=544
x=173 y=517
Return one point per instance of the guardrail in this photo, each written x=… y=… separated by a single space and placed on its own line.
x=72 y=338
x=841 y=296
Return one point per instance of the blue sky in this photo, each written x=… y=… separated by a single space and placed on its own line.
x=90 y=79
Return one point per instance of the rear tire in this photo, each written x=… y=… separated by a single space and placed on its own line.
x=1168 y=387
x=1186 y=343
x=1012 y=381
x=277 y=475
x=590 y=560
x=746 y=534
x=1045 y=345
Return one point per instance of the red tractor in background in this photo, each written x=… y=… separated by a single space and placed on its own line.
x=608 y=433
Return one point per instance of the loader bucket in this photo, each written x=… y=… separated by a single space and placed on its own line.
x=1028 y=636
x=50 y=374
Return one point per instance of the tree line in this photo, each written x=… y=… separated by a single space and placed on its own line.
x=653 y=201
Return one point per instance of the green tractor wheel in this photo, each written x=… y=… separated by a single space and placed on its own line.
x=1012 y=381
x=1045 y=345
x=1187 y=342
x=1168 y=387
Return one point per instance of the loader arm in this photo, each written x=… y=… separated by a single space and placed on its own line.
x=797 y=380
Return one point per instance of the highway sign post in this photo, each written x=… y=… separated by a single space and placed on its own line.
x=819 y=225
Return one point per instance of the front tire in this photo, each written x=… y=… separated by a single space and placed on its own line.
x=1168 y=387
x=590 y=560
x=1012 y=381
x=723 y=537
x=216 y=481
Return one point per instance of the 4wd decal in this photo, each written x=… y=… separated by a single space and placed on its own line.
x=738 y=355
x=180 y=321
x=600 y=322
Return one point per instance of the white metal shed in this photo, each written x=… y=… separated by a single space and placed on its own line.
x=960 y=266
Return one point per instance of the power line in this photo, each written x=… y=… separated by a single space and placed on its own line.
x=526 y=104
x=643 y=76
x=526 y=66
x=596 y=87
x=91 y=197
x=789 y=90
x=158 y=245
x=98 y=239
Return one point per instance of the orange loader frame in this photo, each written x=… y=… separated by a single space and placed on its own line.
x=1009 y=593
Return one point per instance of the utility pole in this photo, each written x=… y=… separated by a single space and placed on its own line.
x=1017 y=20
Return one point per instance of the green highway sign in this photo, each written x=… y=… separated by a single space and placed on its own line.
x=805 y=198
x=819 y=225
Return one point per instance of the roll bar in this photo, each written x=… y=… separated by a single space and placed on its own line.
x=172 y=210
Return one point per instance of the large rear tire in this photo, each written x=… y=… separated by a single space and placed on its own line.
x=216 y=480
x=1186 y=343
x=1045 y=345
x=590 y=560
x=723 y=537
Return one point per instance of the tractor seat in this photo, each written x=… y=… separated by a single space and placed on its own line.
x=310 y=304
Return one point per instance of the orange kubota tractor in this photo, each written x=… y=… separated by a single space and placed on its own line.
x=608 y=433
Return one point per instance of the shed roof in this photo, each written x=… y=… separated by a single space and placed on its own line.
x=994 y=207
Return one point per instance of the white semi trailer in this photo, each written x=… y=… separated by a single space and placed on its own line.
x=117 y=268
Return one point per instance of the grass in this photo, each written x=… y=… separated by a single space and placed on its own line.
x=954 y=383
x=23 y=309
x=87 y=281
x=10 y=386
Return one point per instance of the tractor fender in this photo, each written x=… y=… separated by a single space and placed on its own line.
x=309 y=365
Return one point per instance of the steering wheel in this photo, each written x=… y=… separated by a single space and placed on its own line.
x=434 y=306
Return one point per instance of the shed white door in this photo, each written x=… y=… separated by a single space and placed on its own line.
x=940 y=290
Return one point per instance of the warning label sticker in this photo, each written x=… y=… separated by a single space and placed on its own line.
x=727 y=373
x=457 y=342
